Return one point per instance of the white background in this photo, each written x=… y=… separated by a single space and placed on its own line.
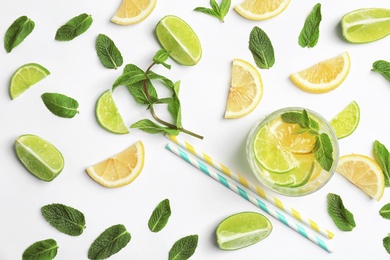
x=198 y=203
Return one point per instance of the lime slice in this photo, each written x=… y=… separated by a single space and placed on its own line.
x=178 y=38
x=39 y=156
x=270 y=154
x=345 y=123
x=366 y=25
x=108 y=116
x=242 y=230
x=26 y=76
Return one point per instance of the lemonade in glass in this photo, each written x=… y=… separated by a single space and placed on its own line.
x=293 y=151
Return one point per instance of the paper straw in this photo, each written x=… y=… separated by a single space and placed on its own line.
x=244 y=194
x=255 y=188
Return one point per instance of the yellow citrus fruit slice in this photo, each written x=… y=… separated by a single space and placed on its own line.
x=133 y=11
x=261 y=9
x=323 y=76
x=364 y=172
x=120 y=169
x=246 y=89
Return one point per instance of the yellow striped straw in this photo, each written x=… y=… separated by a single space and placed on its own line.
x=255 y=188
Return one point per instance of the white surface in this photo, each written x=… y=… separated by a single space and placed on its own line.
x=198 y=202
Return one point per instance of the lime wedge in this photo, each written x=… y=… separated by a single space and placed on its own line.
x=366 y=25
x=270 y=153
x=39 y=156
x=178 y=38
x=108 y=116
x=26 y=76
x=242 y=230
x=345 y=123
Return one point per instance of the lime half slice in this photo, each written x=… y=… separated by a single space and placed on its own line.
x=26 y=76
x=242 y=230
x=346 y=122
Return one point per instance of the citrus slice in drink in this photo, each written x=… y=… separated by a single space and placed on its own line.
x=366 y=25
x=133 y=11
x=346 y=122
x=107 y=114
x=364 y=172
x=324 y=76
x=246 y=89
x=120 y=169
x=179 y=39
x=242 y=230
x=26 y=76
x=261 y=9
x=270 y=154
x=39 y=156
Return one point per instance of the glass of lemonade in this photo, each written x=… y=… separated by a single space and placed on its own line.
x=293 y=151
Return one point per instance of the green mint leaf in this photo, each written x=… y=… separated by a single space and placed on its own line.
x=184 y=248
x=382 y=67
x=161 y=57
x=17 y=32
x=74 y=27
x=299 y=118
x=217 y=11
x=41 y=250
x=60 y=105
x=385 y=211
x=311 y=29
x=137 y=91
x=110 y=242
x=208 y=11
x=382 y=155
x=65 y=219
x=150 y=127
x=343 y=219
x=225 y=7
x=160 y=216
x=386 y=243
x=174 y=106
x=167 y=82
x=261 y=47
x=107 y=52
x=132 y=68
x=215 y=7
x=323 y=151
x=128 y=79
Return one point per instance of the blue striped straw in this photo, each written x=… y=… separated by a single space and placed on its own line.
x=244 y=193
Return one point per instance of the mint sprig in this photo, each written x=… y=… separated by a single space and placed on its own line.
x=323 y=149
x=342 y=217
x=218 y=11
x=311 y=29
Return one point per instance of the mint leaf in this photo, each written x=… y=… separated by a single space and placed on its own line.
x=217 y=11
x=382 y=67
x=17 y=32
x=382 y=155
x=41 y=250
x=65 y=219
x=60 y=105
x=150 y=127
x=302 y=119
x=107 y=52
x=385 y=211
x=343 y=219
x=174 y=106
x=311 y=29
x=184 y=248
x=160 y=216
x=161 y=57
x=261 y=47
x=167 y=82
x=74 y=27
x=323 y=151
x=128 y=79
x=110 y=242
x=386 y=243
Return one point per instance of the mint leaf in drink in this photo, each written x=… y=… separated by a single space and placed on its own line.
x=343 y=219
x=110 y=242
x=74 y=27
x=60 y=105
x=161 y=57
x=386 y=243
x=160 y=216
x=150 y=127
x=184 y=248
x=382 y=155
x=17 y=32
x=323 y=151
x=385 y=211
x=311 y=29
x=41 y=250
x=107 y=52
x=217 y=11
x=302 y=119
x=261 y=47
x=382 y=67
x=65 y=219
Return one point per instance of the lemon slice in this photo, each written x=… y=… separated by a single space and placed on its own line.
x=246 y=89
x=120 y=169
x=261 y=9
x=323 y=76
x=364 y=172
x=346 y=122
x=133 y=11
